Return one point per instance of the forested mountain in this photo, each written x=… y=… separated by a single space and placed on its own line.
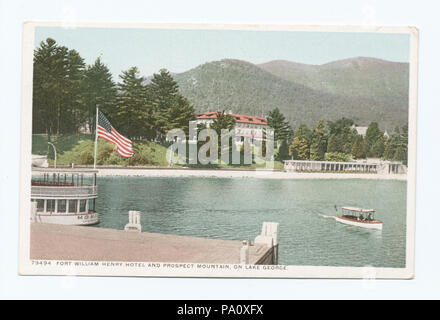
x=363 y=89
x=355 y=77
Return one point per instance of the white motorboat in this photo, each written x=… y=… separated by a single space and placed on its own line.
x=359 y=217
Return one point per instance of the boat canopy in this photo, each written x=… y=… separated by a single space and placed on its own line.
x=354 y=209
x=67 y=170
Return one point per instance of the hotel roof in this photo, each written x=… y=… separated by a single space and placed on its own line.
x=237 y=117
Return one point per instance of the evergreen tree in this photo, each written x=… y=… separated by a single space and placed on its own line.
x=339 y=125
x=99 y=90
x=277 y=121
x=283 y=151
x=389 y=151
x=392 y=144
x=304 y=131
x=50 y=84
x=373 y=134
x=299 y=148
x=405 y=134
x=378 y=148
x=400 y=154
x=335 y=143
x=134 y=111
x=341 y=136
x=403 y=154
x=318 y=146
x=179 y=115
x=171 y=109
x=58 y=98
x=72 y=111
x=359 y=150
x=396 y=148
x=223 y=121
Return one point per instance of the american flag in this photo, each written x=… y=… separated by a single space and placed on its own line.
x=106 y=131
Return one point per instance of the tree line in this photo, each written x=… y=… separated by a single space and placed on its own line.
x=66 y=93
x=340 y=141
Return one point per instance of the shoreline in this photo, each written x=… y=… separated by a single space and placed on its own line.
x=224 y=173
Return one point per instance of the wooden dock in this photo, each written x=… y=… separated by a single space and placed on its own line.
x=62 y=242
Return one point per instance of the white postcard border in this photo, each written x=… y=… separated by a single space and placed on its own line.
x=97 y=268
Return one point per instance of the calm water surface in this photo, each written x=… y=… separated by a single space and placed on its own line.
x=236 y=208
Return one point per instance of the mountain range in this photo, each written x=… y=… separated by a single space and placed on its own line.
x=363 y=89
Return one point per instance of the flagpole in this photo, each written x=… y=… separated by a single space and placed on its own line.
x=96 y=138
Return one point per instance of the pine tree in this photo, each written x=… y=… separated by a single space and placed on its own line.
x=58 y=97
x=373 y=134
x=73 y=102
x=179 y=115
x=359 y=149
x=341 y=136
x=99 y=90
x=134 y=112
x=299 y=148
x=392 y=144
x=397 y=146
x=335 y=143
x=223 y=121
x=403 y=155
x=378 y=148
x=400 y=154
x=318 y=146
x=304 y=131
x=283 y=151
x=277 y=121
x=171 y=109
x=50 y=84
x=389 y=151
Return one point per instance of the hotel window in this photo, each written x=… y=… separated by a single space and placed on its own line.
x=40 y=205
x=61 y=207
x=82 y=205
x=50 y=207
x=73 y=206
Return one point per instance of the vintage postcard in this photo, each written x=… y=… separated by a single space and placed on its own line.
x=204 y=150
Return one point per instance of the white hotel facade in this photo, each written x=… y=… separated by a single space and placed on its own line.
x=245 y=126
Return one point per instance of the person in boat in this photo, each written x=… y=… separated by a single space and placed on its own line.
x=370 y=216
x=361 y=216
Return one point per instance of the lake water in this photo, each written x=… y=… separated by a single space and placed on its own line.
x=236 y=208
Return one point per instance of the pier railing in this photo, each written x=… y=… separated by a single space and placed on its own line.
x=88 y=191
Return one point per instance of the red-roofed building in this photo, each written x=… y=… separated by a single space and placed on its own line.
x=245 y=126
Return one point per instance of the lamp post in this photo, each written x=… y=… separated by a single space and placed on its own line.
x=55 y=152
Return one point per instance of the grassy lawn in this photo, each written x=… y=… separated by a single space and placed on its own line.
x=62 y=143
x=79 y=149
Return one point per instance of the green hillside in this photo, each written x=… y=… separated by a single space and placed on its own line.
x=62 y=143
x=362 y=91
x=358 y=77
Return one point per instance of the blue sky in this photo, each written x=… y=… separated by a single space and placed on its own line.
x=180 y=50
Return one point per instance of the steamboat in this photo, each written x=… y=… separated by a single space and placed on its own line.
x=64 y=196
